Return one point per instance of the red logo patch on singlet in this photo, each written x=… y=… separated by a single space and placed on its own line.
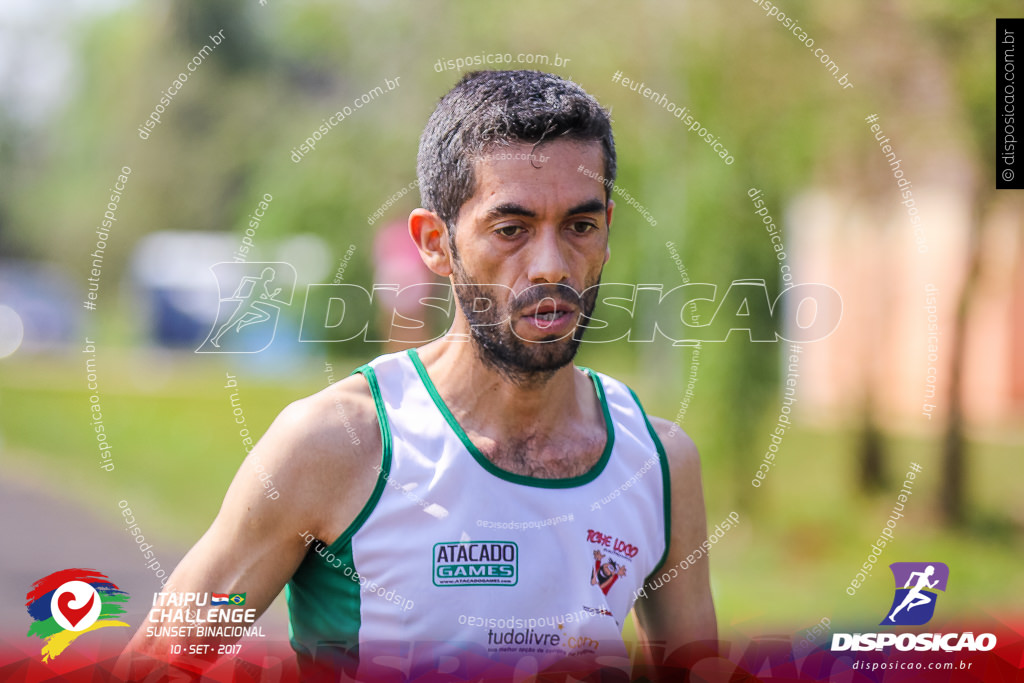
x=607 y=569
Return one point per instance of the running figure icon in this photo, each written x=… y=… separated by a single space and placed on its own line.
x=253 y=304
x=916 y=596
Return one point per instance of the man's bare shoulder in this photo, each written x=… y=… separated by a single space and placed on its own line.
x=680 y=451
x=339 y=420
x=335 y=429
x=325 y=448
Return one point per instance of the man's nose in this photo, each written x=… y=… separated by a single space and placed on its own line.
x=548 y=262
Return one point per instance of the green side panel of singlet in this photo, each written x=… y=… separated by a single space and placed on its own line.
x=323 y=594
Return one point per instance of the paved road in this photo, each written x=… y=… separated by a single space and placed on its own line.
x=42 y=534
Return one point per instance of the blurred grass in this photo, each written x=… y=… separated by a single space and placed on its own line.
x=801 y=539
x=169 y=421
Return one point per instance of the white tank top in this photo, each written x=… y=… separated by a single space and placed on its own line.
x=456 y=565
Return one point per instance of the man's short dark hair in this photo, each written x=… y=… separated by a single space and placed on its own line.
x=490 y=109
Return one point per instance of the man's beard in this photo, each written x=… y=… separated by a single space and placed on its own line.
x=495 y=341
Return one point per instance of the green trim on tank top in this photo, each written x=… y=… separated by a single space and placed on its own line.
x=345 y=623
x=569 y=482
x=315 y=572
x=385 y=460
x=666 y=486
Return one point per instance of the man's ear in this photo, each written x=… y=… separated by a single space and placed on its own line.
x=430 y=234
x=608 y=217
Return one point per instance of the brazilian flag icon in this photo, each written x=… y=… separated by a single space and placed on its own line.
x=237 y=598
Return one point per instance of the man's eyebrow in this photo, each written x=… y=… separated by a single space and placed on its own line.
x=589 y=206
x=508 y=209
x=513 y=209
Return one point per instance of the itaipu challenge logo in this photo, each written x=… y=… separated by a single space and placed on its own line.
x=914 y=603
x=70 y=603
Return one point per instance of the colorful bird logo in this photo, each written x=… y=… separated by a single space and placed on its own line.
x=68 y=603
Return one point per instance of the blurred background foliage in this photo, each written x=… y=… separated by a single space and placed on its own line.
x=226 y=139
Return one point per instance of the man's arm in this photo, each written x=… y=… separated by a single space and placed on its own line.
x=255 y=544
x=680 y=610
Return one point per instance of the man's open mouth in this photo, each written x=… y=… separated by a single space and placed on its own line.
x=549 y=312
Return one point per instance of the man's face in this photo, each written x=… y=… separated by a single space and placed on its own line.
x=528 y=244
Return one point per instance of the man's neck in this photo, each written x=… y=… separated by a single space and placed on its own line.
x=488 y=402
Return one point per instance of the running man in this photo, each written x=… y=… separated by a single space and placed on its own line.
x=396 y=541
x=916 y=597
